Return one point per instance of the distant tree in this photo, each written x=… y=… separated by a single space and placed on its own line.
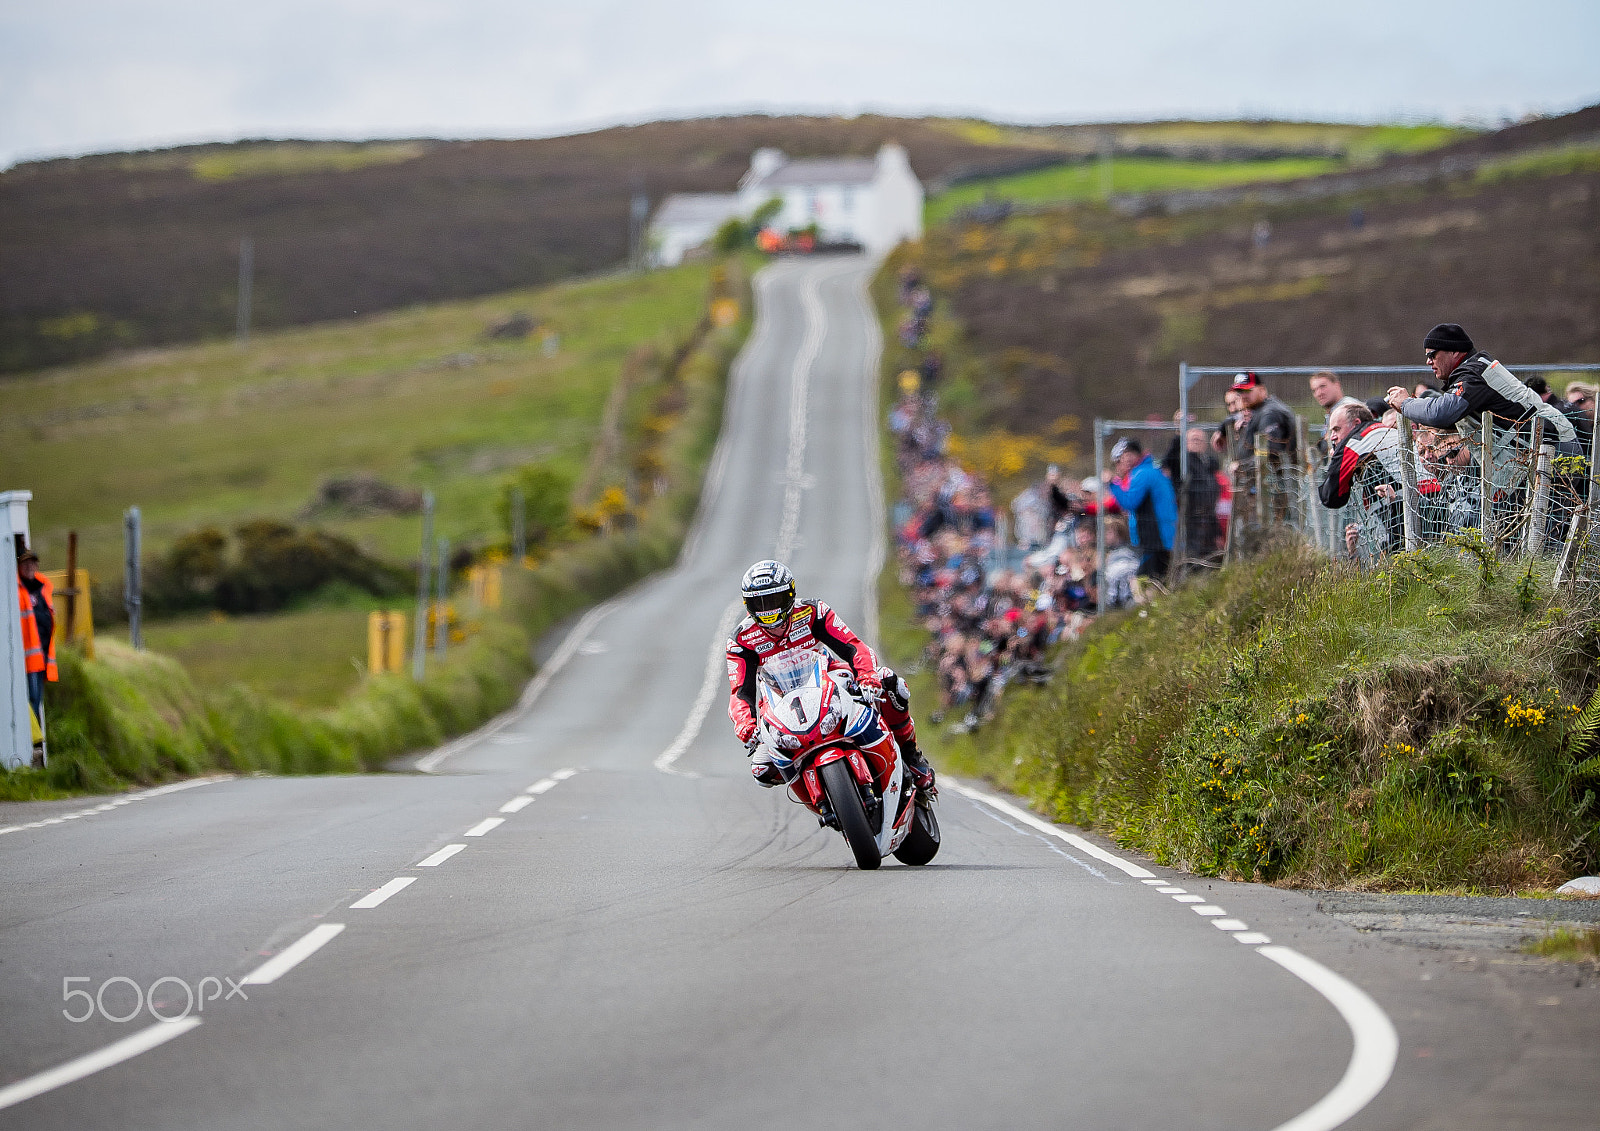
x=732 y=236
x=546 y=502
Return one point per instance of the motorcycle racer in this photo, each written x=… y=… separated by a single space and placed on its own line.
x=778 y=624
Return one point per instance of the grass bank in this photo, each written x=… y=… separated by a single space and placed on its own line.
x=139 y=717
x=1295 y=721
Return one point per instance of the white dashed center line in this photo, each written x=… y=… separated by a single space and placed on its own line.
x=442 y=855
x=1190 y=898
x=398 y=884
x=517 y=804
x=488 y=824
x=543 y=785
x=292 y=955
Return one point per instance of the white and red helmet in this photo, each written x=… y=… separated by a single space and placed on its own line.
x=768 y=592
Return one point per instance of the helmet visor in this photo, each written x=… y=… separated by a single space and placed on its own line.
x=770 y=608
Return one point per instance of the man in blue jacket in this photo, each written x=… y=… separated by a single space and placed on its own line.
x=1147 y=498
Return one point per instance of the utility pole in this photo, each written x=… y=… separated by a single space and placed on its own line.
x=1108 y=147
x=519 y=525
x=419 y=634
x=247 y=269
x=132 y=576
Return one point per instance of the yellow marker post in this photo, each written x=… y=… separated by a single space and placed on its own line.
x=386 y=641
x=725 y=312
x=83 y=616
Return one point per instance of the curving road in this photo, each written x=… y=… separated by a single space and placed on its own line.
x=653 y=941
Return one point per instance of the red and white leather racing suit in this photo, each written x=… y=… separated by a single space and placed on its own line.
x=811 y=623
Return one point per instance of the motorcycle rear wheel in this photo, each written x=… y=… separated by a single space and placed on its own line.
x=845 y=797
x=922 y=839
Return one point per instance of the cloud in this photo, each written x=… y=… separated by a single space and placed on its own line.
x=85 y=75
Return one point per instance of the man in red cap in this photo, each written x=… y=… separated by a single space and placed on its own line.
x=1273 y=421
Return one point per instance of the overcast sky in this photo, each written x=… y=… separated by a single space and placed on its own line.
x=83 y=76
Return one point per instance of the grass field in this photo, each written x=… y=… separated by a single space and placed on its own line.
x=217 y=435
x=214 y=434
x=310 y=657
x=1134 y=174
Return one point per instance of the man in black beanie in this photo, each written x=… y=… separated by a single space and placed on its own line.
x=1474 y=383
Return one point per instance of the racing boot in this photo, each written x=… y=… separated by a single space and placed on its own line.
x=920 y=769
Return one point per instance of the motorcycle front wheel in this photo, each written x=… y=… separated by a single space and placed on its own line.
x=922 y=839
x=845 y=797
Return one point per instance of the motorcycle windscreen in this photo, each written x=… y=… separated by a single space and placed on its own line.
x=793 y=670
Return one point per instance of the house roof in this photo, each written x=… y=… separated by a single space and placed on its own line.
x=823 y=171
x=697 y=208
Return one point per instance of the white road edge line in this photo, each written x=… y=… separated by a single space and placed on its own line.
x=1377 y=1045
x=107 y=806
x=1376 y=1042
x=430 y=763
x=292 y=955
x=442 y=855
x=115 y=1053
x=398 y=884
x=1048 y=829
x=487 y=825
x=666 y=761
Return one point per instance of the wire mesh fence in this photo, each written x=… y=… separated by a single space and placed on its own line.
x=1490 y=484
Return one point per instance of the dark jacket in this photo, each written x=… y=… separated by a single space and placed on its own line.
x=1479 y=385
x=1276 y=420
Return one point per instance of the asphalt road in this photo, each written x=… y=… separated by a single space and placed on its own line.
x=654 y=941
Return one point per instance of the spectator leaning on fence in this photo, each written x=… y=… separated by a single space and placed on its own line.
x=1475 y=383
x=1146 y=496
x=1581 y=395
x=1366 y=454
x=1448 y=483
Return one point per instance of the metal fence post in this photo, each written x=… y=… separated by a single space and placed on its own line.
x=519 y=525
x=419 y=632
x=1594 y=479
x=1410 y=498
x=1261 y=480
x=133 y=576
x=1100 y=515
x=1533 y=536
x=1486 y=481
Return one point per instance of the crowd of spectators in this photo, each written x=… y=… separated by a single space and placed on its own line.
x=993 y=605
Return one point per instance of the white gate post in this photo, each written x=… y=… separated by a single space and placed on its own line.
x=16 y=733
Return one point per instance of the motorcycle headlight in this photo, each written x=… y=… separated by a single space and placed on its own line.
x=831 y=721
x=788 y=742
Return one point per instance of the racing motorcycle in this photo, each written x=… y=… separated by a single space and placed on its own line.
x=840 y=761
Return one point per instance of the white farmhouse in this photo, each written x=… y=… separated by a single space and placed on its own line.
x=875 y=202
